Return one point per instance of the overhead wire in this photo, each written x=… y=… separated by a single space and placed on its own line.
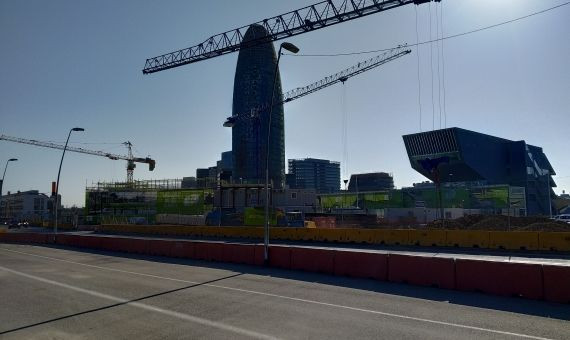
x=431 y=41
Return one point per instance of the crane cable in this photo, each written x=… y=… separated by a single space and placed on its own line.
x=344 y=136
x=484 y=28
x=443 y=67
x=437 y=43
x=419 y=80
x=431 y=71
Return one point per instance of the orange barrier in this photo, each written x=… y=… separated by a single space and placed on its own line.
x=430 y=238
x=518 y=240
x=362 y=235
x=554 y=241
x=312 y=260
x=500 y=278
x=393 y=236
x=467 y=238
x=556 y=283
x=307 y=234
x=420 y=270
x=331 y=235
x=360 y=264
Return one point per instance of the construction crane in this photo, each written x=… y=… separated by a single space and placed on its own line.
x=341 y=76
x=306 y=19
x=131 y=160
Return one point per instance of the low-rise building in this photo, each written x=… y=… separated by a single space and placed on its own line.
x=25 y=205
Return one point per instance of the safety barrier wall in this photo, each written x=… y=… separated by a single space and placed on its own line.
x=508 y=240
x=527 y=280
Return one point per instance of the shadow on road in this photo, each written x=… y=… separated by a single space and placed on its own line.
x=472 y=299
x=117 y=304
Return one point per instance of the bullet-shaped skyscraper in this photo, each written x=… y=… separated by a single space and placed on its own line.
x=252 y=88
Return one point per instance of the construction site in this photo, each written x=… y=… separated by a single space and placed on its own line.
x=406 y=191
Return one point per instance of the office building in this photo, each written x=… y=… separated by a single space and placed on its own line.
x=470 y=158
x=310 y=173
x=253 y=84
x=374 y=181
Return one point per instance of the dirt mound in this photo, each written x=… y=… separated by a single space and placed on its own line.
x=499 y=223
x=549 y=226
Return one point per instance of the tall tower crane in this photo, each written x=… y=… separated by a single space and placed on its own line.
x=306 y=19
x=131 y=160
x=341 y=76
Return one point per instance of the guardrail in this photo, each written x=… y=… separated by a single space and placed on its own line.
x=509 y=240
x=527 y=280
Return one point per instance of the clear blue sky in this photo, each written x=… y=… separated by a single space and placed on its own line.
x=67 y=63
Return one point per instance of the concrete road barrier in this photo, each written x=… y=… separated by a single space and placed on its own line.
x=279 y=257
x=312 y=260
x=238 y=253
x=500 y=278
x=362 y=265
x=421 y=270
x=556 y=283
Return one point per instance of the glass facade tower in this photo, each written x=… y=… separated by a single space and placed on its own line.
x=252 y=88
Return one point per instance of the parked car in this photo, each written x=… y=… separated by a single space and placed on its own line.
x=13 y=224
x=562 y=218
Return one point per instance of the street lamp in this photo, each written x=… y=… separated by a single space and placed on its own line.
x=2 y=182
x=293 y=49
x=58 y=173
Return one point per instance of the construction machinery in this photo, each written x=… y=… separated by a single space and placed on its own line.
x=131 y=160
x=306 y=19
x=341 y=76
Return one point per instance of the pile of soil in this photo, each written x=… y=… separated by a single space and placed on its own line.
x=500 y=223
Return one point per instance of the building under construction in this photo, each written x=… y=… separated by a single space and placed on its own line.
x=145 y=202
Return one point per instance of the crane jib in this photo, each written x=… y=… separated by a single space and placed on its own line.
x=306 y=19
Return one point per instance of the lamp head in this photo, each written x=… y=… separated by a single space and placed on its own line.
x=290 y=47
x=78 y=129
x=12 y=159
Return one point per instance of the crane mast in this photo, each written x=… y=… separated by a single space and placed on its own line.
x=341 y=76
x=306 y=19
x=129 y=158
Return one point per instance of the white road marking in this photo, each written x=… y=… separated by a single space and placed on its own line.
x=443 y=323
x=167 y=312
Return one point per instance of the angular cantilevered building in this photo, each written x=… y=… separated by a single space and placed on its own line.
x=462 y=156
x=253 y=83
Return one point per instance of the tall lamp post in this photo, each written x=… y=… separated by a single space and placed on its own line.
x=58 y=173
x=4 y=175
x=293 y=49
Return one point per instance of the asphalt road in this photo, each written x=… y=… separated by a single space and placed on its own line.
x=60 y=293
